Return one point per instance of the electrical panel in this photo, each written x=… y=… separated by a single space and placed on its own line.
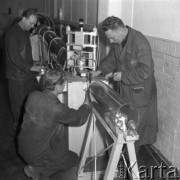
x=81 y=50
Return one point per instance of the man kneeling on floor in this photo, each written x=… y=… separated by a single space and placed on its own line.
x=43 y=137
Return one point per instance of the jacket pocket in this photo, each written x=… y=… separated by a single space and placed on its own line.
x=138 y=95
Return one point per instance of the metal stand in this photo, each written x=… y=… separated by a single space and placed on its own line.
x=117 y=145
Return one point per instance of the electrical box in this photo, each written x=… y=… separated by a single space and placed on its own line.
x=81 y=50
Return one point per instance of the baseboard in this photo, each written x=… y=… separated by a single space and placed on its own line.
x=163 y=158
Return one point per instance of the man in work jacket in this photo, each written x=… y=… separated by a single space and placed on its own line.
x=131 y=66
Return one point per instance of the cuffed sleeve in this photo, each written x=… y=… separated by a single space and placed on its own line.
x=74 y=117
x=109 y=64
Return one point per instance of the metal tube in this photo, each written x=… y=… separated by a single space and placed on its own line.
x=109 y=104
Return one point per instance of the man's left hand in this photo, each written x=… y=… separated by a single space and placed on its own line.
x=117 y=76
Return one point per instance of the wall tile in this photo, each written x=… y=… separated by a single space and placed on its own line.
x=158 y=55
x=170 y=72
x=163 y=76
x=158 y=67
x=177 y=50
x=172 y=49
x=174 y=66
x=166 y=55
x=172 y=59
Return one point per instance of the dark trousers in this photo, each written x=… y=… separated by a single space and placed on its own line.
x=68 y=174
x=59 y=169
x=18 y=93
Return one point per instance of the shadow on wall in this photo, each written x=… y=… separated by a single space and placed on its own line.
x=5 y=21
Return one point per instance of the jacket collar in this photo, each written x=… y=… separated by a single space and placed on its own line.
x=50 y=95
x=129 y=40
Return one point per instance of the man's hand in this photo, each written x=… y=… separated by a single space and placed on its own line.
x=117 y=76
x=86 y=99
x=35 y=68
x=95 y=73
x=108 y=75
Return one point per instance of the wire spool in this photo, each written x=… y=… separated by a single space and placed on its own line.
x=46 y=20
x=56 y=45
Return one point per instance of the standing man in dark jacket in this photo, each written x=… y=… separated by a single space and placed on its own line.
x=43 y=136
x=19 y=63
x=132 y=67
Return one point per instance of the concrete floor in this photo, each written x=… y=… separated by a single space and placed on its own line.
x=11 y=165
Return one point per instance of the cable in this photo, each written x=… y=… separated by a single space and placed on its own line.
x=95 y=152
x=39 y=32
x=46 y=41
x=48 y=18
x=42 y=27
x=54 y=39
x=98 y=51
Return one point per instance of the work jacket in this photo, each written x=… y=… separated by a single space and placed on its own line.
x=137 y=85
x=43 y=135
x=18 y=54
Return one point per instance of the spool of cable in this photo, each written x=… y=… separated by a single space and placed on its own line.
x=56 y=45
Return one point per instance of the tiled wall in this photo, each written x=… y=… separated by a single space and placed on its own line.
x=166 y=55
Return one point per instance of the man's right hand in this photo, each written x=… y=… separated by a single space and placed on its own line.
x=95 y=73
x=86 y=99
x=109 y=75
x=35 y=68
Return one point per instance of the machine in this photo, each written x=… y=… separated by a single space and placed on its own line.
x=81 y=51
x=78 y=56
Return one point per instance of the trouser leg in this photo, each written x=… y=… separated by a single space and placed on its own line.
x=69 y=174
x=16 y=99
x=18 y=93
x=64 y=168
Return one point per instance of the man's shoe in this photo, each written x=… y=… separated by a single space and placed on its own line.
x=32 y=173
